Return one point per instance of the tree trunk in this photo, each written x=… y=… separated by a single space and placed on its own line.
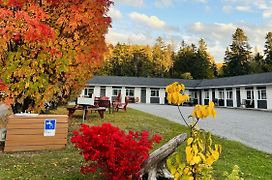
x=155 y=165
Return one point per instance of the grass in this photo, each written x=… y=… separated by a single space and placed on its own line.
x=65 y=164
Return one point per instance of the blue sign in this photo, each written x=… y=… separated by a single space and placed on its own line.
x=49 y=127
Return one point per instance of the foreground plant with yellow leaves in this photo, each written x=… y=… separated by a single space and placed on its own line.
x=200 y=153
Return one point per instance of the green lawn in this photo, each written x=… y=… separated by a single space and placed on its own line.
x=65 y=164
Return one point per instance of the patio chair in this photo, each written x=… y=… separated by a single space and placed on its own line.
x=123 y=106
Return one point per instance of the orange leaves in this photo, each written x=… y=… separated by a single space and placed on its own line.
x=3 y=87
x=52 y=48
x=15 y=3
x=27 y=22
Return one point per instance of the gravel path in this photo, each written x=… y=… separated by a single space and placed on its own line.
x=252 y=128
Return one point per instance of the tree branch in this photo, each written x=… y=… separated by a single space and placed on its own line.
x=183 y=117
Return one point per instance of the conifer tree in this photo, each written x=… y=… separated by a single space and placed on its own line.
x=268 y=52
x=238 y=55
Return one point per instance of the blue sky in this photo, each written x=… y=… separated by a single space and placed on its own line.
x=142 y=21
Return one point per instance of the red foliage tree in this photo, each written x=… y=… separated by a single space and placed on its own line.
x=49 y=48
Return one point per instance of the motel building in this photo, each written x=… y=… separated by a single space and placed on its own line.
x=247 y=91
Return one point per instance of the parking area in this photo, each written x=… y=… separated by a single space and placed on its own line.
x=250 y=127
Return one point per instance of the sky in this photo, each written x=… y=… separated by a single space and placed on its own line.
x=142 y=21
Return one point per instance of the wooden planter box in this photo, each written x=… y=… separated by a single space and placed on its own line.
x=28 y=133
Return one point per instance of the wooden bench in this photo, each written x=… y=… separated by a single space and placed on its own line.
x=100 y=110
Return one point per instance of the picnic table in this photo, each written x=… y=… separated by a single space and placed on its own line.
x=85 y=109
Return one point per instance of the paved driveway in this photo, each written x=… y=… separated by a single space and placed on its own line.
x=252 y=128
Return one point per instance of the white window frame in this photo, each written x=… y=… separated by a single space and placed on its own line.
x=229 y=94
x=116 y=91
x=262 y=95
x=89 y=91
x=249 y=92
x=206 y=94
x=221 y=94
x=193 y=94
x=130 y=92
x=157 y=92
x=104 y=89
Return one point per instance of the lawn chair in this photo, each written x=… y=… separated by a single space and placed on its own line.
x=123 y=106
x=116 y=102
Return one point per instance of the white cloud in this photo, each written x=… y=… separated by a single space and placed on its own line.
x=227 y=9
x=114 y=13
x=134 y=3
x=267 y=13
x=201 y=1
x=264 y=6
x=151 y=21
x=243 y=8
x=219 y=35
x=130 y=38
x=163 y=3
x=166 y=3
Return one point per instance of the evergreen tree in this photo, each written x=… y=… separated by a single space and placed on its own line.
x=215 y=70
x=204 y=62
x=193 y=60
x=184 y=61
x=238 y=56
x=268 y=52
x=257 y=65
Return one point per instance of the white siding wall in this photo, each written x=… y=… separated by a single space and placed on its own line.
x=96 y=91
x=109 y=91
x=148 y=94
x=269 y=96
x=255 y=97
x=243 y=93
x=137 y=93
x=225 y=97
x=216 y=94
x=162 y=96
x=123 y=94
x=234 y=97
x=210 y=94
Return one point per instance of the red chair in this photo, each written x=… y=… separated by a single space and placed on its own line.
x=123 y=106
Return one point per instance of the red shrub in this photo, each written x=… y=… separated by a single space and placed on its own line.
x=117 y=154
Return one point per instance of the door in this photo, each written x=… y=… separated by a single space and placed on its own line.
x=213 y=95
x=143 y=95
x=238 y=97
x=200 y=97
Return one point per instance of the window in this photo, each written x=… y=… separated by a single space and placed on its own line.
x=130 y=92
x=89 y=91
x=206 y=94
x=221 y=94
x=250 y=94
x=102 y=91
x=262 y=93
x=154 y=92
x=229 y=94
x=193 y=94
x=116 y=91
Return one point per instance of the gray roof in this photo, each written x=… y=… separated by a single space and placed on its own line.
x=139 y=81
x=262 y=78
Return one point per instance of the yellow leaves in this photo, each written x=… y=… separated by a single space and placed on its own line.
x=196 y=160
x=189 y=141
x=203 y=111
x=174 y=93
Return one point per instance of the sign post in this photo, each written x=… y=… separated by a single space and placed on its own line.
x=49 y=127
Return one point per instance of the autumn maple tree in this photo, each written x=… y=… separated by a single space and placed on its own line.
x=49 y=48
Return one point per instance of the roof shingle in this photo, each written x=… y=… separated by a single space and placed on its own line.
x=262 y=78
